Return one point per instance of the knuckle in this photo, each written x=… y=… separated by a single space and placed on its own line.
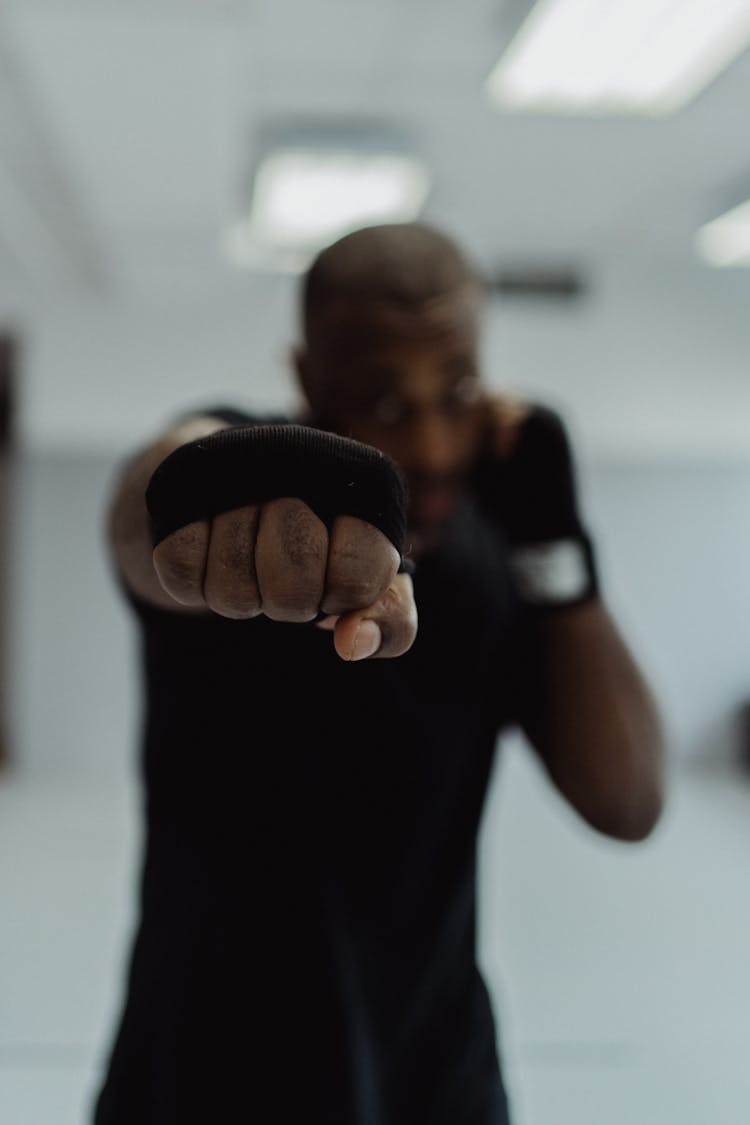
x=233 y=541
x=304 y=536
x=179 y=562
x=290 y=558
x=176 y=570
x=232 y=602
x=229 y=557
x=400 y=621
x=357 y=590
x=358 y=577
x=230 y=586
x=290 y=607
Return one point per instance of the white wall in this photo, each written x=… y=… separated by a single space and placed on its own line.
x=675 y=555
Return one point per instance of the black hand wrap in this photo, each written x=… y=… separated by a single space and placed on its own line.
x=533 y=495
x=245 y=465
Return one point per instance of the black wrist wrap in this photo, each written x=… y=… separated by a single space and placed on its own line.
x=533 y=494
x=245 y=465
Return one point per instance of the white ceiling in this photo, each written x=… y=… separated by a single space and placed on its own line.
x=127 y=132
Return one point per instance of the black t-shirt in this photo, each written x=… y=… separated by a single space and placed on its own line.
x=306 y=946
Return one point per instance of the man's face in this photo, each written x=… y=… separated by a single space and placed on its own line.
x=409 y=385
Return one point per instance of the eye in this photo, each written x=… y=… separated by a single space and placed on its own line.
x=464 y=394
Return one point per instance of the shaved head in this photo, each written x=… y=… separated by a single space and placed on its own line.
x=410 y=267
x=390 y=358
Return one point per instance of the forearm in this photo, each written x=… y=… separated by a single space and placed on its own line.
x=128 y=524
x=595 y=722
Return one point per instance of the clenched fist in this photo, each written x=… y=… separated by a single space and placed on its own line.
x=287 y=556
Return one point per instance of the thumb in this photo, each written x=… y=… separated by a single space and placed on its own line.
x=385 y=629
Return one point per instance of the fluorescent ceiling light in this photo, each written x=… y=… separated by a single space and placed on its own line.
x=726 y=241
x=304 y=199
x=618 y=56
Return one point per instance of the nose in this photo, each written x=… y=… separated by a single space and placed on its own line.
x=430 y=444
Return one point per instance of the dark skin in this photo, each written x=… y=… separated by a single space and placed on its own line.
x=419 y=399
x=409 y=385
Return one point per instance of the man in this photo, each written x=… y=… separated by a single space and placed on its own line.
x=326 y=673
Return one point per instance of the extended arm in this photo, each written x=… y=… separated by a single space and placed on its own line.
x=128 y=523
x=204 y=522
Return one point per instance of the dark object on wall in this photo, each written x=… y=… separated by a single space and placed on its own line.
x=537 y=283
x=744 y=735
x=8 y=364
x=8 y=357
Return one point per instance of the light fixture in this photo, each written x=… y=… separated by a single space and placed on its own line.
x=618 y=56
x=725 y=241
x=311 y=189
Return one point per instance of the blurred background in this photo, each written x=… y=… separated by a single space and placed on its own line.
x=166 y=170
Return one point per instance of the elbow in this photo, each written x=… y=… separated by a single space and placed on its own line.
x=616 y=785
x=630 y=815
x=625 y=803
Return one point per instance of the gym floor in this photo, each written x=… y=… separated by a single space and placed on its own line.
x=620 y=972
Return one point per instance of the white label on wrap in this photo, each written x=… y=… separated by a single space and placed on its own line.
x=551 y=572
